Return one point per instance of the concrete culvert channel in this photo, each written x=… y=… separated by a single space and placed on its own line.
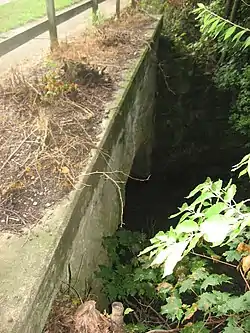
x=161 y=176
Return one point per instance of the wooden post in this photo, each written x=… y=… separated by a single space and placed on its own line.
x=118 y=8
x=51 y=13
x=94 y=10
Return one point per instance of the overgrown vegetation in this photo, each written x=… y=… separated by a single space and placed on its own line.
x=217 y=36
x=195 y=277
x=192 y=278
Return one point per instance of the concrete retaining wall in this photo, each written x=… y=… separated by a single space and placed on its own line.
x=32 y=269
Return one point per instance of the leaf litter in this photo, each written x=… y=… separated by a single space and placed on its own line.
x=51 y=116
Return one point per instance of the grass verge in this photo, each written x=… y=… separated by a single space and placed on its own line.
x=18 y=12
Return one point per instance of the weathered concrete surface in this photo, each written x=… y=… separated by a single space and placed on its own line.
x=32 y=269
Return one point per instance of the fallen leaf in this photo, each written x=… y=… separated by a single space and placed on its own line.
x=245 y=264
x=64 y=170
x=242 y=247
x=164 y=285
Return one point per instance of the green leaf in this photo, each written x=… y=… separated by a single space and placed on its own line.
x=238 y=36
x=215 y=209
x=230 y=193
x=214 y=280
x=213 y=26
x=219 y=29
x=187 y=284
x=216 y=228
x=197 y=189
x=229 y=32
x=209 y=21
x=173 y=308
x=246 y=324
x=175 y=255
x=184 y=216
x=247 y=43
x=233 y=329
x=148 y=249
x=206 y=301
x=187 y=226
x=243 y=172
x=216 y=186
x=160 y=257
x=127 y=311
x=232 y=255
x=232 y=326
x=201 y=5
x=203 y=197
x=193 y=243
x=183 y=208
x=200 y=274
x=248 y=164
x=198 y=327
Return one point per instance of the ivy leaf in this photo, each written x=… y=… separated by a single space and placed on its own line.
x=232 y=255
x=246 y=324
x=206 y=301
x=232 y=326
x=214 y=280
x=236 y=305
x=200 y=274
x=173 y=308
x=229 y=32
x=233 y=329
x=187 y=284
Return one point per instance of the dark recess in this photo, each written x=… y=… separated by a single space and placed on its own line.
x=193 y=140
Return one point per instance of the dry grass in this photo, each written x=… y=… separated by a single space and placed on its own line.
x=61 y=319
x=50 y=118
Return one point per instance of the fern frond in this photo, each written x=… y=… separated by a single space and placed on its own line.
x=216 y=26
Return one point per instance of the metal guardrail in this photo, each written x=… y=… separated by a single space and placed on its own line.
x=21 y=38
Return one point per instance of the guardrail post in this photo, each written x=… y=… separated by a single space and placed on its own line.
x=118 y=8
x=51 y=13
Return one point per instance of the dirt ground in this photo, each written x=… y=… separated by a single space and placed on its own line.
x=51 y=116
